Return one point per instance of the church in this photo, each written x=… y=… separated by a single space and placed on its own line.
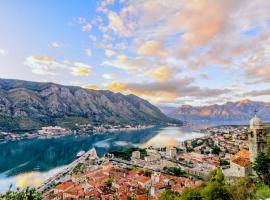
x=241 y=163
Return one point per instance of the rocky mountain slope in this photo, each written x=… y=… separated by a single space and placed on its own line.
x=28 y=105
x=231 y=111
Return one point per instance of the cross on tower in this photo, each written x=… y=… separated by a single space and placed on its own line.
x=255 y=112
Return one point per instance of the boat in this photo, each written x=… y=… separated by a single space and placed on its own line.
x=80 y=153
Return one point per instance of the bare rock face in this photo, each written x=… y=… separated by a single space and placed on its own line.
x=28 y=105
x=231 y=111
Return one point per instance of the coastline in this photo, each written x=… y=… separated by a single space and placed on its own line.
x=27 y=136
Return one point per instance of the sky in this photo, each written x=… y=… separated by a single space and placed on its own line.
x=170 y=52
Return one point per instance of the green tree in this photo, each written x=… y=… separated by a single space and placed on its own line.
x=177 y=171
x=224 y=162
x=244 y=189
x=262 y=168
x=192 y=194
x=262 y=191
x=24 y=194
x=170 y=195
x=216 y=150
x=217 y=191
x=109 y=182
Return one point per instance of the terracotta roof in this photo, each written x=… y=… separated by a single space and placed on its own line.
x=64 y=186
x=243 y=153
x=243 y=162
x=241 y=158
x=143 y=179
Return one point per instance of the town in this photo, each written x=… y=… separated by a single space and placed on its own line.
x=144 y=173
x=56 y=131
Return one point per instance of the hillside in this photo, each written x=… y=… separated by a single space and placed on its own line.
x=28 y=105
x=231 y=111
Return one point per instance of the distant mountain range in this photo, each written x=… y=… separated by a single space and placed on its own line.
x=28 y=105
x=231 y=111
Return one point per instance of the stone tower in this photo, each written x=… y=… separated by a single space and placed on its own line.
x=257 y=138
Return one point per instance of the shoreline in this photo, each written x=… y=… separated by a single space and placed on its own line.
x=111 y=130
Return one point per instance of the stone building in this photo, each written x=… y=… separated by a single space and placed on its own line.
x=257 y=138
x=240 y=164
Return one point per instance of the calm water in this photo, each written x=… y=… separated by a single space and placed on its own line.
x=29 y=162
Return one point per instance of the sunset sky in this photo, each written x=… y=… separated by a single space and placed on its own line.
x=171 y=52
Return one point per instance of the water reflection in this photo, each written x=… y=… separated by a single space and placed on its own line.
x=171 y=136
x=28 y=162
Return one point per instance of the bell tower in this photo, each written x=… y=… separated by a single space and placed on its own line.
x=257 y=138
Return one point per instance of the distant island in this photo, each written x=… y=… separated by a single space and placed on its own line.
x=229 y=112
x=27 y=106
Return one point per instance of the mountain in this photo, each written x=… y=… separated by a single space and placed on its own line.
x=26 y=105
x=231 y=111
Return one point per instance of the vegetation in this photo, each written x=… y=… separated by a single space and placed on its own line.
x=262 y=168
x=262 y=191
x=215 y=150
x=147 y=173
x=177 y=171
x=224 y=162
x=109 y=182
x=24 y=194
x=170 y=195
x=218 y=189
x=78 y=168
x=127 y=153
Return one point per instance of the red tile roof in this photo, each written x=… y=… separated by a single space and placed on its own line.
x=241 y=158
x=64 y=186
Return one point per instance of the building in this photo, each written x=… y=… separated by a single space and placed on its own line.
x=240 y=164
x=257 y=138
x=171 y=152
x=136 y=155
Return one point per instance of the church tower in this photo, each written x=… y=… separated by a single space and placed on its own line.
x=257 y=138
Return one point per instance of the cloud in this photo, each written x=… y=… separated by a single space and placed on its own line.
x=109 y=52
x=152 y=48
x=91 y=87
x=160 y=74
x=78 y=68
x=54 y=45
x=170 y=90
x=88 y=52
x=117 y=25
x=164 y=40
x=258 y=93
x=3 y=52
x=92 y=37
x=43 y=65
x=257 y=61
x=86 y=27
x=103 y=6
x=109 y=76
x=78 y=71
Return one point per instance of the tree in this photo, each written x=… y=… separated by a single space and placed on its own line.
x=177 y=171
x=216 y=175
x=262 y=168
x=217 y=191
x=224 y=162
x=24 y=194
x=170 y=195
x=109 y=182
x=244 y=189
x=262 y=191
x=192 y=194
x=216 y=150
